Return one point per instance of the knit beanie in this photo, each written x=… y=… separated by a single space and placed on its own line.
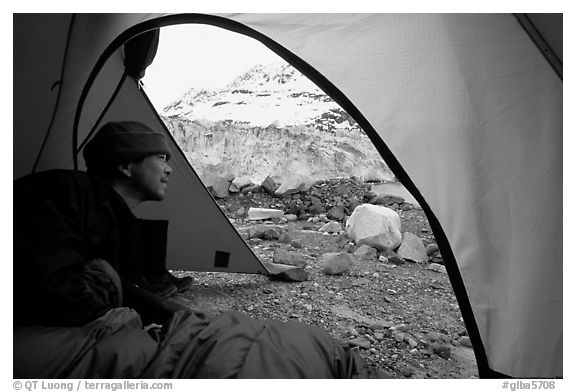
x=122 y=142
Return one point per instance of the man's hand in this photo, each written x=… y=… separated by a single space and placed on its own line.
x=152 y=308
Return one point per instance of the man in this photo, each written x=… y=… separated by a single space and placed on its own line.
x=87 y=274
x=133 y=158
x=69 y=224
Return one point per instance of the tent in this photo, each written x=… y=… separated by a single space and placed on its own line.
x=466 y=109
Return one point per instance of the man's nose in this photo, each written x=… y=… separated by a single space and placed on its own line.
x=168 y=169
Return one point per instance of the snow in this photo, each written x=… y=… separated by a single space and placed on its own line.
x=275 y=94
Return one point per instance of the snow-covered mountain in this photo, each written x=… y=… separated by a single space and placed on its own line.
x=271 y=120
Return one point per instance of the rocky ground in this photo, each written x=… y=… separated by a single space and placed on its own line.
x=402 y=319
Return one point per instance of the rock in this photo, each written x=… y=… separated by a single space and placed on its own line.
x=393 y=257
x=412 y=248
x=233 y=189
x=352 y=331
x=217 y=186
x=304 y=216
x=269 y=185
x=286 y=272
x=291 y=217
x=293 y=184
x=254 y=241
x=442 y=350
x=229 y=177
x=378 y=324
x=331 y=227
x=376 y=226
x=437 y=267
x=242 y=182
x=286 y=238
x=366 y=252
x=296 y=244
x=315 y=206
x=294 y=208
x=255 y=213
x=337 y=263
x=336 y=213
x=354 y=202
x=398 y=336
x=431 y=250
x=360 y=342
x=244 y=232
x=465 y=341
x=266 y=232
x=435 y=337
x=407 y=207
x=251 y=189
x=240 y=212
x=342 y=240
x=289 y=258
x=387 y=200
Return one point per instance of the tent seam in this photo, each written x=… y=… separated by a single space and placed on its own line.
x=58 y=83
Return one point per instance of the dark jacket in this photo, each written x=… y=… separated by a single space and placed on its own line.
x=62 y=220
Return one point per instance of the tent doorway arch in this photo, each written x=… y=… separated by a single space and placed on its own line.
x=321 y=81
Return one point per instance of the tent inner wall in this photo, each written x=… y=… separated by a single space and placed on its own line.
x=39 y=48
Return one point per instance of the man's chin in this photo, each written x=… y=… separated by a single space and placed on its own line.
x=158 y=196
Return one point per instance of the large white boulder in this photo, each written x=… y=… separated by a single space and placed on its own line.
x=374 y=225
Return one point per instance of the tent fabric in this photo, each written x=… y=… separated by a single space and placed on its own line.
x=139 y=53
x=464 y=108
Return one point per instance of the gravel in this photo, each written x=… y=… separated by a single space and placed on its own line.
x=402 y=319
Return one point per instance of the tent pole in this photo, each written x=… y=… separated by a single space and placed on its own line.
x=104 y=111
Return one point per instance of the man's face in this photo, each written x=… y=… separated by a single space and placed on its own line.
x=149 y=177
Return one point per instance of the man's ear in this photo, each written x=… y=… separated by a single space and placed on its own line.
x=125 y=169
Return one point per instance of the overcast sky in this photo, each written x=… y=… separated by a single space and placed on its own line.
x=200 y=56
